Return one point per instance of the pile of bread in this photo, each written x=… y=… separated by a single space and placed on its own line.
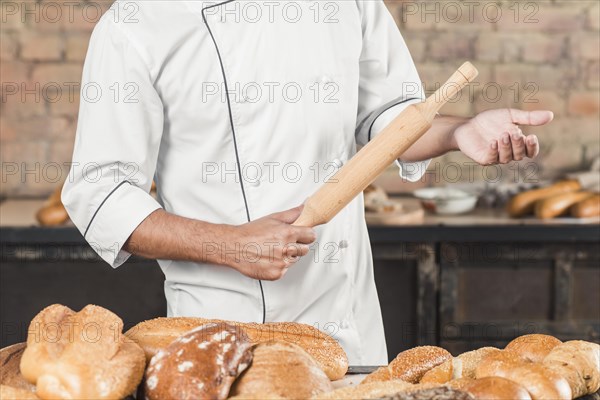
x=564 y=198
x=85 y=355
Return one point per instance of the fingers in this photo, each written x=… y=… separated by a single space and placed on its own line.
x=304 y=235
x=293 y=251
x=519 y=151
x=531 y=118
x=505 y=154
x=288 y=216
x=533 y=146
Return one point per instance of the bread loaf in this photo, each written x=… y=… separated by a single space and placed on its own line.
x=491 y=388
x=540 y=381
x=559 y=204
x=440 y=374
x=80 y=355
x=469 y=361
x=411 y=365
x=53 y=211
x=587 y=208
x=579 y=363
x=492 y=364
x=156 y=334
x=201 y=364
x=281 y=369
x=523 y=203
x=533 y=347
x=10 y=373
x=13 y=393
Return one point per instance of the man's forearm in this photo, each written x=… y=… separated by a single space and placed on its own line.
x=438 y=140
x=166 y=236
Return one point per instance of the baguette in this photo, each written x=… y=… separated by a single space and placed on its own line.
x=579 y=363
x=587 y=208
x=533 y=347
x=559 y=204
x=282 y=370
x=523 y=203
x=156 y=334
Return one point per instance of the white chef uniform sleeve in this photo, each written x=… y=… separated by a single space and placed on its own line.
x=118 y=134
x=389 y=81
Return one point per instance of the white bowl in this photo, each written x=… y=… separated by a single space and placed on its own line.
x=446 y=200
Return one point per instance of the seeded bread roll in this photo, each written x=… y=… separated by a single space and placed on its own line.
x=201 y=364
x=81 y=355
x=156 y=334
x=13 y=393
x=534 y=347
x=437 y=393
x=10 y=373
x=469 y=361
x=410 y=365
x=284 y=370
x=579 y=363
x=491 y=388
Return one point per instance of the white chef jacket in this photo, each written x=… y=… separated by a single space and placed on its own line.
x=238 y=110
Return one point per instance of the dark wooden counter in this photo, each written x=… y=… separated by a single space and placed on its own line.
x=460 y=282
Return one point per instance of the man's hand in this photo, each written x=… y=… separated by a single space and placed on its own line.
x=266 y=248
x=494 y=136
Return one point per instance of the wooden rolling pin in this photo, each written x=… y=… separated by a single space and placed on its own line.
x=380 y=152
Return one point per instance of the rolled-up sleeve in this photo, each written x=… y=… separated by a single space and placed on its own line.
x=389 y=81
x=119 y=131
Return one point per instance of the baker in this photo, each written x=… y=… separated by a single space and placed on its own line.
x=239 y=114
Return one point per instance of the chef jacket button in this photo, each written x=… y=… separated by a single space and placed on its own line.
x=338 y=163
x=344 y=324
x=343 y=244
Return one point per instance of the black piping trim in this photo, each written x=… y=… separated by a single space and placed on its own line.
x=384 y=110
x=237 y=158
x=101 y=204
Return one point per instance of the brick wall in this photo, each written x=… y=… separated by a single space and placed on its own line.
x=531 y=54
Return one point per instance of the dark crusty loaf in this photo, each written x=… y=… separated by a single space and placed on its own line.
x=281 y=370
x=436 y=393
x=156 y=334
x=201 y=364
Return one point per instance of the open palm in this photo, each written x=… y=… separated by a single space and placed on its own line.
x=494 y=136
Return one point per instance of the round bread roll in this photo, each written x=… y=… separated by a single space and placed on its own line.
x=491 y=388
x=282 y=369
x=494 y=362
x=201 y=364
x=10 y=373
x=534 y=347
x=579 y=363
x=13 y=393
x=540 y=381
x=81 y=355
x=412 y=364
